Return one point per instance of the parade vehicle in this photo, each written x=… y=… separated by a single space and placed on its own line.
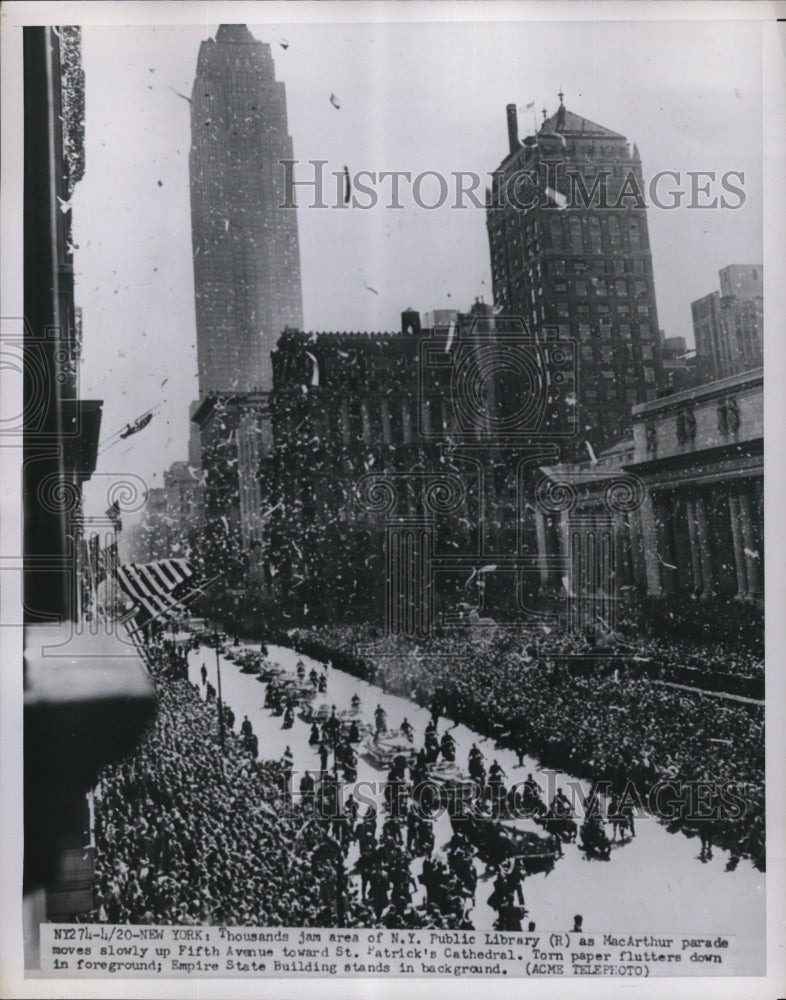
x=270 y=672
x=496 y=842
x=250 y=662
x=212 y=639
x=381 y=749
x=450 y=776
x=298 y=691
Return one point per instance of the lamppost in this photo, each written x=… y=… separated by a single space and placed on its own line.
x=220 y=702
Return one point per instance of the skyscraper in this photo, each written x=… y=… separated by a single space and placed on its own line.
x=727 y=325
x=570 y=250
x=246 y=253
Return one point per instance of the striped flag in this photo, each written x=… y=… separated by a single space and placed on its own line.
x=108 y=560
x=156 y=588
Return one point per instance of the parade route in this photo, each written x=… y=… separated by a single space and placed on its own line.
x=654 y=873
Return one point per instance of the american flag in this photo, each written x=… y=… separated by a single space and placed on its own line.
x=156 y=588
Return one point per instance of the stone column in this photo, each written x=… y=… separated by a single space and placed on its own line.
x=736 y=535
x=752 y=562
x=705 y=554
x=695 y=558
x=543 y=554
x=649 y=538
x=410 y=543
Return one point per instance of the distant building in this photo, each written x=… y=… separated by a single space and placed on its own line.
x=152 y=537
x=235 y=435
x=441 y=317
x=700 y=455
x=184 y=497
x=682 y=368
x=727 y=324
x=691 y=522
x=369 y=438
x=246 y=252
x=567 y=228
x=194 y=441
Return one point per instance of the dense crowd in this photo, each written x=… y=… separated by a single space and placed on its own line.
x=188 y=833
x=611 y=725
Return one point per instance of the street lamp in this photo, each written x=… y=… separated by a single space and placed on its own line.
x=220 y=702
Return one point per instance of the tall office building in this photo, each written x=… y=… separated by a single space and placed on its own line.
x=727 y=325
x=570 y=252
x=246 y=253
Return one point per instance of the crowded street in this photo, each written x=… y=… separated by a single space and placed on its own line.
x=654 y=872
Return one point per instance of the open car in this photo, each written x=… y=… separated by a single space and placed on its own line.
x=383 y=748
x=497 y=841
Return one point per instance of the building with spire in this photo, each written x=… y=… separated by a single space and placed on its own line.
x=570 y=254
x=246 y=276
x=245 y=246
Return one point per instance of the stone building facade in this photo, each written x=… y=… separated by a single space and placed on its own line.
x=569 y=242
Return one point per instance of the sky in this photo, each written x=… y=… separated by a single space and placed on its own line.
x=413 y=97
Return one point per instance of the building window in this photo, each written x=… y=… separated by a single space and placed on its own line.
x=575 y=234
x=556 y=233
x=625 y=331
x=406 y=421
x=387 y=436
x=595 y=236
x=581 y=288
x=600 y=287
x=643 y=309
x=586 y=352
x=614 y=231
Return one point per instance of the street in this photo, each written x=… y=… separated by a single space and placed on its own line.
x=654 y=873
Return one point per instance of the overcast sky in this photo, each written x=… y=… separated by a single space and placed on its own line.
x=413 y=97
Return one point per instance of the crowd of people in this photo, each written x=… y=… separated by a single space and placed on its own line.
x=193 y=829
x=609 y=725
x=190 y=832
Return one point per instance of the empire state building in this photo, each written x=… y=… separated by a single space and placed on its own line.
x=246 y=252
